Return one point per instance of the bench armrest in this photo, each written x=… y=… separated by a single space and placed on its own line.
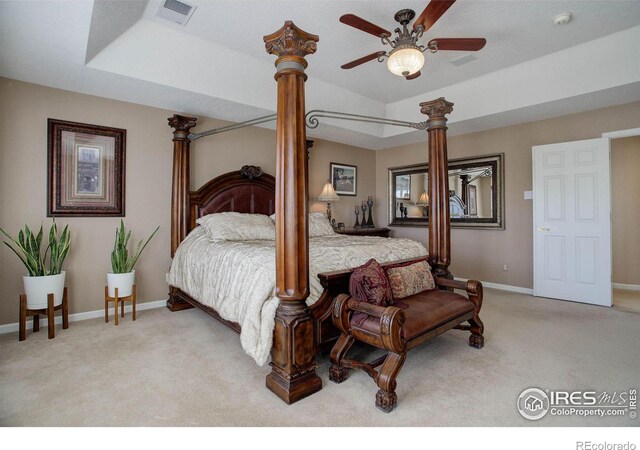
x=473 y=288
x=390 y=335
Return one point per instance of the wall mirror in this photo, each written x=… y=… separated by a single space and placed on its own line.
x=476 y=193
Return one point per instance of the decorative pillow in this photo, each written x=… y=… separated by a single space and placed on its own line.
x=319 y=225
x=233 y=226
x=407 y=280
x=369 y=283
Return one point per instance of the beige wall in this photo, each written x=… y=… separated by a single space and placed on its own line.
x=625 y=209
x=481 y=253
x=23 y=166
x=24 y=111
x=229 y=151
x=323 y=154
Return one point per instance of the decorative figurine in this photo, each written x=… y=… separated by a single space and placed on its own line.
x=370 y=205
x=363 y=206
x=357 y=224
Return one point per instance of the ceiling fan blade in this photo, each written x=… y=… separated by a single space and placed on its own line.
x=413 y=77
x=466 y=44
x=363 y=60
x=363 y=25
x=434 y=10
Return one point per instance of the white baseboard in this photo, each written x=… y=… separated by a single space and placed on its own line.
x=13 y=327
x=503 y=287
x=627 y=287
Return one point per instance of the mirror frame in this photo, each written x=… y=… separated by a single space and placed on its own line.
x=496 y=222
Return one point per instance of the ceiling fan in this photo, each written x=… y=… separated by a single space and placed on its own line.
x=406 y=57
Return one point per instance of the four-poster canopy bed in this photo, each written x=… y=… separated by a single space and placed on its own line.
x=300 y=331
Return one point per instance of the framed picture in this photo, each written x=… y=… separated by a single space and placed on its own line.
x=403 y=187
x=472 y=201
x=344 y=178
x=85 y=173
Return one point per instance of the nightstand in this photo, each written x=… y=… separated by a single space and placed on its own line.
x=382 y=232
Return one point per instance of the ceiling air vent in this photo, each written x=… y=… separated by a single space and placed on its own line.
x=463 y=59
x=175 y=11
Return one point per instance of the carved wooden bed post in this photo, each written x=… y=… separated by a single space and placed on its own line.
x=181 y=179
x=180 y=187
x=439 y=229
x=293 y=363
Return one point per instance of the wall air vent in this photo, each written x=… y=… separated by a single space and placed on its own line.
x=175 y=11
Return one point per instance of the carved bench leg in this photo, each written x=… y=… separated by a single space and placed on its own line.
x=477 y=328
x=338 y=374
x=386 y=398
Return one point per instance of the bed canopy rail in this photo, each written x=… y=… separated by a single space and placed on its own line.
x=235 y=126
x=311 y=120
x=293 y=375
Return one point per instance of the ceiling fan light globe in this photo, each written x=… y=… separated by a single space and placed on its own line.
x=405 y=61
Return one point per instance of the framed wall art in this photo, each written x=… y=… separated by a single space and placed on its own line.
x=86 y=170
x=344 y=178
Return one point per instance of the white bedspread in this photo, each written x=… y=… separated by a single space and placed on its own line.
x=237 y=278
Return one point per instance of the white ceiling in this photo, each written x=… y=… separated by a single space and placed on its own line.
x=217 y=66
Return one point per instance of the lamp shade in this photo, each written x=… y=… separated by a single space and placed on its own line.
x=328 y=194
x=424 y=199
x=405 y=61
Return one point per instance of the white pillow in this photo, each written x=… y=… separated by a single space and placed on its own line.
x=319 y=225
x=233 y=226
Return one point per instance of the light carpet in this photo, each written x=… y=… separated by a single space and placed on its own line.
x=186 y=369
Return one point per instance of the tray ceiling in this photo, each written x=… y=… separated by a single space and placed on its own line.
x=217 y=66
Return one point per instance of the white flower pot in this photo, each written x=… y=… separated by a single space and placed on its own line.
x=37 y=289
x=122 y=281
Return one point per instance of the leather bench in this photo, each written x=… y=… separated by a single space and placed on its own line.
x=423 y=316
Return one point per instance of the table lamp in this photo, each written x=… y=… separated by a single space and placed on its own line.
x=424 y=202
x=328 y=195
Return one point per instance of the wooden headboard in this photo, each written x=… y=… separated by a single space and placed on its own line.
x=247 y=190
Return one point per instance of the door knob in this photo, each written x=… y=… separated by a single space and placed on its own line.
x=544 y=229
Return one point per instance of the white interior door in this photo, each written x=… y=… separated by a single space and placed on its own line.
x=572 y=221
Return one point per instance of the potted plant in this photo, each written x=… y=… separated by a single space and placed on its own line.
x=122 y=275
x=42 y=279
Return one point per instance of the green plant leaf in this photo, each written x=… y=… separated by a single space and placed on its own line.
x=28 y=249
x=121 y=262
x=21 y=259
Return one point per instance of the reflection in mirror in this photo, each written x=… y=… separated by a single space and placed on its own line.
x=476 y=194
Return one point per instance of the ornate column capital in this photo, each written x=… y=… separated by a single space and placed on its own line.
x=436 y=109
x=181 y=125
x=291 y=43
